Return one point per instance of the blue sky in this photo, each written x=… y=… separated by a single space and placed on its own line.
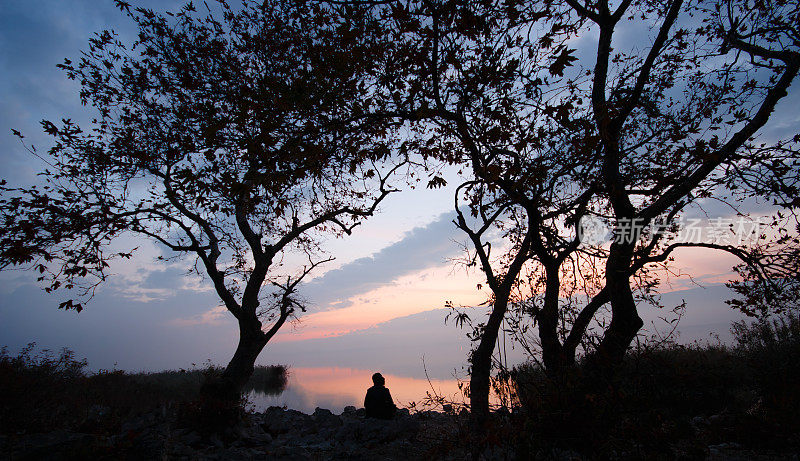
x=35 y=36
x=152 y=315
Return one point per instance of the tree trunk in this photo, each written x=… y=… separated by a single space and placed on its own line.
x=221 y=394
x=625 y=320
x=251 y=343
x=581 y=323
x=553 y=354
x=480 y=378
x=252 y=340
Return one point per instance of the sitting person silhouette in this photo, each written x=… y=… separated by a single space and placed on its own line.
x=378 y=403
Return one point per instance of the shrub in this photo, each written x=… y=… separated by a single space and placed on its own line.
x=771 y=349
x=38 y=391
x=645 y=406
x=670 y=396
x=42 y=392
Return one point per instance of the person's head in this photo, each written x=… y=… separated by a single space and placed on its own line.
x=377 y=378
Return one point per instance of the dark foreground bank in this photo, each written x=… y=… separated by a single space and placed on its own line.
x=281 y=434
x=274 y=434
x=52 y=408
x=664 y=402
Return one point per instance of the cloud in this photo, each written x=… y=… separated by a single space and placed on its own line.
x=34 y=37
x=399 y=345
x=169 y=278
x=420 y=248
x=214 y=316
x=117 y=330
x=151 y=282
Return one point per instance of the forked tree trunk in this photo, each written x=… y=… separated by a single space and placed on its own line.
x=554 y=356
x=625 y=320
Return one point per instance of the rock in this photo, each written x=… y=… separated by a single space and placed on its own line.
x=699 y=422
x=58 y=444
x=349 y=446
x=349 y=431
x=235 y=454
x=725 y=446
x=260 y=437
x=321 y=412
x=722 y=419
x=559 y=454
x=276 y=424
x=139 y=424
x=290 y=453
x=326 y=419
x=98 y=413
x=274 y=410
x=180 y=449
x=192 y=439
x=253 y=436
x=215 y=440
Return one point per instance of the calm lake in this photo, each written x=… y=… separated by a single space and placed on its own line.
x=335 y=388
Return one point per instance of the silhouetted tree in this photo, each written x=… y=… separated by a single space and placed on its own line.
x=475 y=80
x=230 y=136
x=677 y=121
x=648 y=130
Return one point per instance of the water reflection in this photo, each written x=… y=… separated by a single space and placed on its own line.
x=269 y=380
x=334 y=388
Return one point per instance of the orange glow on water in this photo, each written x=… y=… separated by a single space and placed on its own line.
x=334 y=388
x=354 y=384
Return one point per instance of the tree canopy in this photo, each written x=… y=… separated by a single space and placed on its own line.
x=558 y=117
x=230 y=136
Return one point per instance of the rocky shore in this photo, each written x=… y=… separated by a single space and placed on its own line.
x=284 y=434
x=276 y=433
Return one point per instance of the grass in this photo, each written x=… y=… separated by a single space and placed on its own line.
x=670 y=401
x=41 y=391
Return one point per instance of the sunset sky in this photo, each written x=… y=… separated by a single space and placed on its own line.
x=152 y=315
